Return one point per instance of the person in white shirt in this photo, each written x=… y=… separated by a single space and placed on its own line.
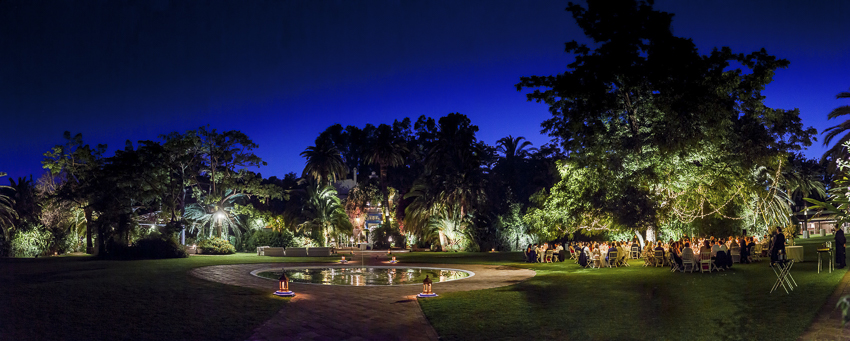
x=715 y=248
x=688 y=254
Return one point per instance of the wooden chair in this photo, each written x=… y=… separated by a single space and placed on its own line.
x=688 y=264
x=549 y=255
x=755 y=254
x=736 y=254
x=635 y=254
x=705 y=264
x=648 y=259
x=673 y=265
x=612 y=259
x=659 y=258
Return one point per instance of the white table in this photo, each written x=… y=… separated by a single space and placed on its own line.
x=794 y=252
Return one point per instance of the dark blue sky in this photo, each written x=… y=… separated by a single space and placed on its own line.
x=282 y=72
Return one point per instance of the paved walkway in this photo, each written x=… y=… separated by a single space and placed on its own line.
x=827 y=323
x=325 y=312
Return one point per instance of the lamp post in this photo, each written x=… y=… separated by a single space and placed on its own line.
x=426 y=289
x=283 y=285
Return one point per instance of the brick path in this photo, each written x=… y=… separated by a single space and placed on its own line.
x=326 y=312
x=827 y=323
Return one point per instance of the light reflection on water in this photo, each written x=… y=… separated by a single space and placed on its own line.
x=366 y=276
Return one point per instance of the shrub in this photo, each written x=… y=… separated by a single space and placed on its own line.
x=154 y=246
x=269 y=238
x=158 y=248
x=30 y=243
x=216 y=246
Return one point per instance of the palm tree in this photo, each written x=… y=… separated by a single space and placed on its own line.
x=217 y=219
x=514 y=148
x=7 y=212
x=837 y=150
x=324 y=163
x=385 y=151
x=326 y=212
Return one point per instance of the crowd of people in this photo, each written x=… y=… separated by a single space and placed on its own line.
x=674 y=253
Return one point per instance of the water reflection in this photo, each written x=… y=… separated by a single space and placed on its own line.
x=366 y=276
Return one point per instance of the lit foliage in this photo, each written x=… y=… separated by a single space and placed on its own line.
x=325 y=214
x=657 y=134
x=7 y=212
x=216 y=246
x=216 y=219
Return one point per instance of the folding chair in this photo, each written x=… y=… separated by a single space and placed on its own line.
x=659 y=258
x=648 y=259
x=635 y=254
x=736 y=254
x=549 y=255
x=688 y=263
x=612 y=259
x=673 y=265
x=705 y=264
x=755 y=254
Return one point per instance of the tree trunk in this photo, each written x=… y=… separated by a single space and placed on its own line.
x=89 y=222
x=640 y=239
x=385 y=192
x=101 y=242
x=443 y=241
x=650 y=234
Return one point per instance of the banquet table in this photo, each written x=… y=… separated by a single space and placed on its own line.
x=794 y=252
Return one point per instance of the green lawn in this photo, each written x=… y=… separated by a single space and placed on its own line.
x=566 y=302
x=79 y=298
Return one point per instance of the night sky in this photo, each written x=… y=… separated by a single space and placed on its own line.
x=283 y=71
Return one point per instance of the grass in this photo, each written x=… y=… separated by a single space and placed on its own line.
x=565 y=301
x=81 y=298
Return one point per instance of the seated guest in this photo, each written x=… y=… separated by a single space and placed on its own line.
x=608 y=257
x=541 y=253
x=688 y=253
x=674 y=252
x=705 y=247
x=584 y=256
x=725 y=257
x=715 y=248
x=751 y=246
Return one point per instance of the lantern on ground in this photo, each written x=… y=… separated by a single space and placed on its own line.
x=426 y=288
x=343 y=261
x=393 y=260
x=283 y=289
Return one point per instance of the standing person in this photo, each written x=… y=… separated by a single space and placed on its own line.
x=840 y=246
x=777 y=246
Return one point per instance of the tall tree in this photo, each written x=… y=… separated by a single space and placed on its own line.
x=8 y=215
x=449 y=193
x=645 y=113
x=837 y=151
x=324 y=163
x=386 y=150
x=76 y=163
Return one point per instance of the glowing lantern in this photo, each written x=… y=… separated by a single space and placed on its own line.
x=426 y=288
x=343 y=261
x=393 y=261
x=283 y=283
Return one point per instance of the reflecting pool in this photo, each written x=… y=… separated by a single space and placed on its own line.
x=360 y=276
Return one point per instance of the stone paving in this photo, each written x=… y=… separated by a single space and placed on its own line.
x=326 y=312
x=827 y=323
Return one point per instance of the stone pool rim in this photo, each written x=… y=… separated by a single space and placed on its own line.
x=257 y=271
